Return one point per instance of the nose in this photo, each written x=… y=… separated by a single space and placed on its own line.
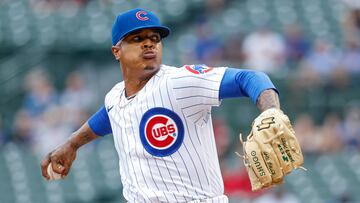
x=148 y=44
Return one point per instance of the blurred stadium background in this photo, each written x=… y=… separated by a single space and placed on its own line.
x=56 y=66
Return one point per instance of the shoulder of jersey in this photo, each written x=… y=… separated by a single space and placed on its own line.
x=168 y=69
x=194 y=68
x=115 y=91
x=197 y=69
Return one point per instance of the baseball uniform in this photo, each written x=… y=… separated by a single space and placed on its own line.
x=164 y=134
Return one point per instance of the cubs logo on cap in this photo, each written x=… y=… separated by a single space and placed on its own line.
x=198 y=69
x=161 y=131
x=141 y=15
x=133 y=20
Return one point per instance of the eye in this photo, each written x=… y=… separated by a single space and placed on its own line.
x=155 y=38
x=136 y=39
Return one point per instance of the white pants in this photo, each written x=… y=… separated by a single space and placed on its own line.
x=218 y=199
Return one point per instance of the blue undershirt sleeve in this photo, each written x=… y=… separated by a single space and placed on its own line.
x=243 y=82
x=100 y=123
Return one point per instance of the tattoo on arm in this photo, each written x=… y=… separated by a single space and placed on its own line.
x=268 y=99
x=82 y=136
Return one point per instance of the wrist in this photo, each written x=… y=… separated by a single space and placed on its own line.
x=271 y=107
x=272 y=110
x=268 y=99
x=73 y=144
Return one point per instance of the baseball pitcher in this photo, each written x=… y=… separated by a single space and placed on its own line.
x=160 y=119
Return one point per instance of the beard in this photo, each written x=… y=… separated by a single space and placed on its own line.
x=149 y=68
x=149 y=71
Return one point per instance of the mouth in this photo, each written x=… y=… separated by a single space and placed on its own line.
x=149 y=55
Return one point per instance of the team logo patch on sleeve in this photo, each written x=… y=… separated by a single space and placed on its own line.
x=161 y=131
x=198 y=69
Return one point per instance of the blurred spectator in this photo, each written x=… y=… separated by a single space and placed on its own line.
x=232 y=50
x=76 y=99
x=351 y=128
x=307 y=134
x=277 y=195
x=350 y=59
x=42 y=133
x=344 y=198
x=237 y=185
x=318 y=66
x=351 y=23
x=40 y=93
x=44 y=122
x=323 y=139
x=22 y=129
x=222 y=137
x=322 y=59
x=76 y=95
x=47 y=5
x=297 y=45
x=331 y=134
x=236 y=181
x=50 y=130
x=214 y=6
x=264 y=50
x=339 y=80
x=208 y=48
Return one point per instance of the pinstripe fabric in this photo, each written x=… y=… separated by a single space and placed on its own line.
x=190 y=174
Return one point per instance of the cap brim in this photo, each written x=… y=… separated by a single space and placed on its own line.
x=163 y=30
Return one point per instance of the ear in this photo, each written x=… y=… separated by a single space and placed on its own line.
x=116 y=52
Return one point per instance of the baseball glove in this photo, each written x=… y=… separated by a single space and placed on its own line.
x=271 y=150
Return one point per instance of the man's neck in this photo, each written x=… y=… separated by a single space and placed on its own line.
x=134 y=84
x=132 y=87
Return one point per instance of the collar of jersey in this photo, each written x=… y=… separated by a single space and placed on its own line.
x=124 y=101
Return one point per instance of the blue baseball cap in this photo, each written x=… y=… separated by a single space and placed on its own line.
x=136 y=19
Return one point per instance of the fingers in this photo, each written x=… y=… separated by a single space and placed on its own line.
x=44 y=164
x=61 y=166
x=67 y=166
x=57 y=166
x=55 y=163
x=61 y=160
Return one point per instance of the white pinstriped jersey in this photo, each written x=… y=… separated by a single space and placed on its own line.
x=164 y=136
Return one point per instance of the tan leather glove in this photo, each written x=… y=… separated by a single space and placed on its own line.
x=271 y=150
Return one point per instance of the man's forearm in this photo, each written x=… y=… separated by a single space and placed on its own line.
x=82 y=136
x=268 y=99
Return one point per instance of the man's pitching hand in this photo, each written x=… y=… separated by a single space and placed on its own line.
x=61 y=160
